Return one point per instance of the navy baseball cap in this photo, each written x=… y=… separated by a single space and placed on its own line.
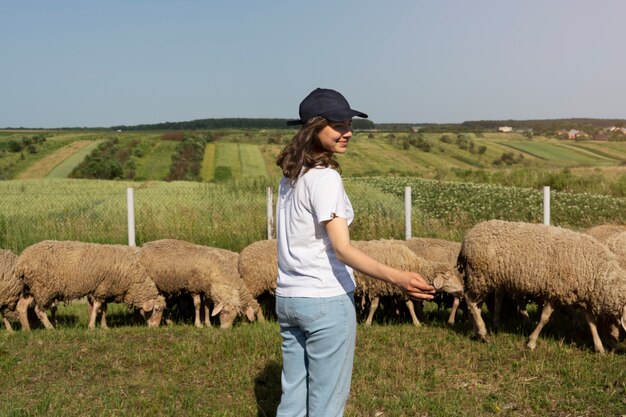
x=327 y=103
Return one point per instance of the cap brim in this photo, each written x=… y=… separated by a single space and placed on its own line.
x=345 y=115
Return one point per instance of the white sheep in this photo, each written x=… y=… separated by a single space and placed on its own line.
x=67 y=270
x=443 y=251
x=603 y=232
x=557 y=266
x=400 y=257
x=258 y=267
x=179 y=267
x=13 y=302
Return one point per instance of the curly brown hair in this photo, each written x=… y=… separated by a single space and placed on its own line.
x=305 y=151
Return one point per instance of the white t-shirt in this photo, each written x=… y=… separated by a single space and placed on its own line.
x=307 y=264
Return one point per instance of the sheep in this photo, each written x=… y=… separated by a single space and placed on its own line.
x=603 y=232
x=178 y=267
x=14 y=302
x=69 y=270
x=401 y=257
x=258 y=267
x=437 y=250
x=555 y=265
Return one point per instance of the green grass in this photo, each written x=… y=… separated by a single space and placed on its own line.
x=64 y=169
x=156 y=162
x=399 y=370
x=227 y=161
x=556 y=152
x=251 y=161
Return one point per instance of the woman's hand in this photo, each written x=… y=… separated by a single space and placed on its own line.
x=415 y=285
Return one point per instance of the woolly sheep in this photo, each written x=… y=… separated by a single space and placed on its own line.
x=437 y=250
x=13 y=303
x=179 y=267
x=555 y=265
x=603 y=232
x=401 y=257
x=258 y=267
x=68 y=270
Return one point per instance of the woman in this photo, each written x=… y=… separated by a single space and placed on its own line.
x=314 y=294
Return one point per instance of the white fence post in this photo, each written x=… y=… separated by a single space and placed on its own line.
x=407 y=213
x=270 y=213
x=130 y=202
x=546 y=205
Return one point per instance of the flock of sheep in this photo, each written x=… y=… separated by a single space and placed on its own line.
x=554 y=267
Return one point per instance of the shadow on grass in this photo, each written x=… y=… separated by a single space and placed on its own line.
x=267 y=389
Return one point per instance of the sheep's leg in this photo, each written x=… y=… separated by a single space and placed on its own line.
x=53 y=313
x=259 y=314
x=197 y=304
x=593 y=326
x=497 y=307
x=614 y=332
x=93 y=313
x=546 y=312
x=411 y=307
x=207 y=311
x=523 y=310
x=22 y=310
x=373 y=307
x=103 y=317
x=479 y=325
x=7 y=324
x=43 y=317
x=455 y=307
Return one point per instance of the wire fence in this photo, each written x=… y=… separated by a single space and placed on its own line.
x=232 y=215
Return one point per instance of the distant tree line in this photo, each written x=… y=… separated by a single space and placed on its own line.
x=230 y=123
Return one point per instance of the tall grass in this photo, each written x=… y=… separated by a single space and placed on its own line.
x=232 y=214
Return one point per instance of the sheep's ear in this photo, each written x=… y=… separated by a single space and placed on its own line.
x=250 y=313
x=147 y=305
x=217 y=309
x=439 y=281
x=623 y=321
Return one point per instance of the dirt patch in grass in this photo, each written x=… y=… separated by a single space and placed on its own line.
x=42 y=167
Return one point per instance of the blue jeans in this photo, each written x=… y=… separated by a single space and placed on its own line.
x=318 y=351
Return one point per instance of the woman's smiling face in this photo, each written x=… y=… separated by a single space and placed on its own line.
x=335 y=136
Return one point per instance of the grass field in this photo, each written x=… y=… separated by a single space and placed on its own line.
x=436 y=370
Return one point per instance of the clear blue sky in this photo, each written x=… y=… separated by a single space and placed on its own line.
x=104 y=63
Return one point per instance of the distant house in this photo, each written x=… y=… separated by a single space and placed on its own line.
x=505 y=129
x=572 y=134
x=601 y=136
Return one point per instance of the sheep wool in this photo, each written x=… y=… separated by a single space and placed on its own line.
x=603 y=232
x=400 y=257
x=13 y=304
x=69 y=270
x=561 y=267
x=258 y=267
x=179 y=267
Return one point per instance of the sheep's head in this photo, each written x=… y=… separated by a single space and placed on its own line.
x=227 y=314
x=448 y=282
x=152 y=311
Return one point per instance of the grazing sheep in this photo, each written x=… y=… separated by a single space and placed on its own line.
x=400 y=257
x=437 y=250
x=603 y=232
x=67 y=270
x=557 y=266
x=178 y=267
x=258 y=267
x=13 y=303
